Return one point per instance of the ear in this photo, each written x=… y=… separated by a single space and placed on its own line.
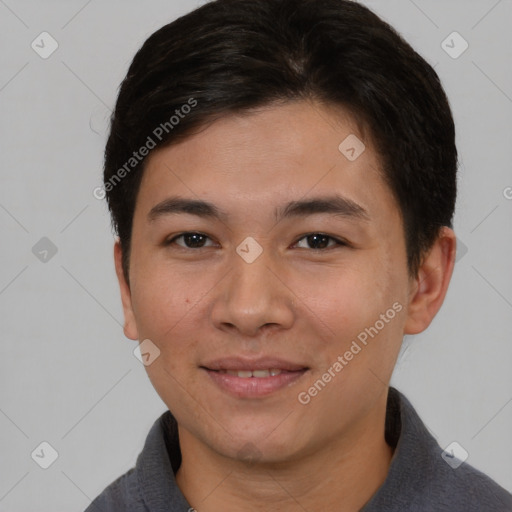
x=428 y=289
x=130 y=326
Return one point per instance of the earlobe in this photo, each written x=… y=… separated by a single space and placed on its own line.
x=130 y=326
x=431 y=284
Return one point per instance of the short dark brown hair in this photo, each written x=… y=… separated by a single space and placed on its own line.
x=231 y=56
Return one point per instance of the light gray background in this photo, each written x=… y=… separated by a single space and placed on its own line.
x=68 y=374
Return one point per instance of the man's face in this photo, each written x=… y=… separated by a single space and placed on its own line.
x=253 y=291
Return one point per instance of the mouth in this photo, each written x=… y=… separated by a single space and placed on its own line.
x=245 y=378
x=258 y=374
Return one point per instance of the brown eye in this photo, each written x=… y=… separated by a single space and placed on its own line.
x=190 y=240
x=320 y=241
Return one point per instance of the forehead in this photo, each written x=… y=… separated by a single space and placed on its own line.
x=270 y=156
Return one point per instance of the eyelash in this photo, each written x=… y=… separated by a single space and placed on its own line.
x=338 y=242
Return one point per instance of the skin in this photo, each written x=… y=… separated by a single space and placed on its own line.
x=295 y=301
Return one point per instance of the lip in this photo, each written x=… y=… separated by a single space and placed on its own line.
x=261 y=363
x=253 y=387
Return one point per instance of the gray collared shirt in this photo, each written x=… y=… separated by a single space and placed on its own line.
x=419 y=479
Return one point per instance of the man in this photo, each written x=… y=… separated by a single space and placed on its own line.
x=282 y=178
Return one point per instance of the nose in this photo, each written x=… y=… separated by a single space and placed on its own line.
x=253 y=298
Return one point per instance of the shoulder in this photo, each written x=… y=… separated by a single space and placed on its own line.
x=452 y=487
x=420 y=477
x=140 y=486
x=474 y=491
x=121 y=495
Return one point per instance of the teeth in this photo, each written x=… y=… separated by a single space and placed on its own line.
x=261 y=373
x=245 y=374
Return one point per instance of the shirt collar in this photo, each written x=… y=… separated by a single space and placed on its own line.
x=415 y=454
x=160 y=459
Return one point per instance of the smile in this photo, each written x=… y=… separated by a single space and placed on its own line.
x=253 y=383
x=259 y=374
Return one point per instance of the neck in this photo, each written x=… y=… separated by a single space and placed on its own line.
x=343 y=475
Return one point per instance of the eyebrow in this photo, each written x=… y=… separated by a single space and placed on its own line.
x=335 y=205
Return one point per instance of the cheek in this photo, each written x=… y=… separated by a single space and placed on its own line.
x=175 y=332
x=348 y=299
x=362 y=307
x=166 y=304
x=163 y=297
